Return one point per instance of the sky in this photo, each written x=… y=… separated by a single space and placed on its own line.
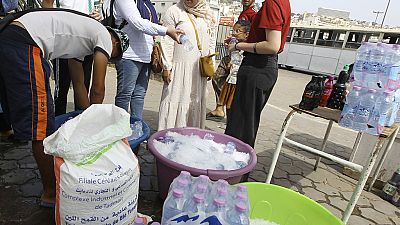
x=359 y=9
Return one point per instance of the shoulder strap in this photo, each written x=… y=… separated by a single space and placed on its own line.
x=195 y=30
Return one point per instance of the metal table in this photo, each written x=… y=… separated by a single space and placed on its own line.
x=332 y=116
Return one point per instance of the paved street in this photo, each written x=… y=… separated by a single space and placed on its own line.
x=20 y=186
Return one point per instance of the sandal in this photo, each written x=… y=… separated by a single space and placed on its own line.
x=213 y=117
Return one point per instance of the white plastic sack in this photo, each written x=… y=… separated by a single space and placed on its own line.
x=97 y=174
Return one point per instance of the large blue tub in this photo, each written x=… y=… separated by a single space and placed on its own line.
x=60 y=120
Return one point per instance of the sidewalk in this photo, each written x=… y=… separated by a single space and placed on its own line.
x=20 y=186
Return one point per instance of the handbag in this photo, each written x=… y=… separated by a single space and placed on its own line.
x=156 y=58
x=206 y=62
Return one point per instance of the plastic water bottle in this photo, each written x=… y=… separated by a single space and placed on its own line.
x=217 y=208
x=196 y=204
x=239 y=215
x=386 y=65
x=236 y=58
x=350 y=108
x=385 y=107
x=241 y=189
x=374 y=66
x=137 y=130
x=139 y=221
x=173 y=205
x=187 y=45
x=360 y=63
x=201 y=184
x=393 y=81
x=364 y=110
x=184 y=179
x=230 y=148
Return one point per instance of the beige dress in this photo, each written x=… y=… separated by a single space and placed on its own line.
x=183 y=100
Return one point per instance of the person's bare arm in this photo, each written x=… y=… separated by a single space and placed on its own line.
x=78 y=82
x=47 y=3
x=97 y=90
x=270 y=46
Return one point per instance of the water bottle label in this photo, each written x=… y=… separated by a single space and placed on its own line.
x=196 y=219
x=363 y=112
x=373 y=67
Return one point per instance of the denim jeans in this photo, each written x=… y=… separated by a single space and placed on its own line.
x=132 y=82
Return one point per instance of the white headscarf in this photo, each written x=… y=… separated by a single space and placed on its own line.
x=202 y=10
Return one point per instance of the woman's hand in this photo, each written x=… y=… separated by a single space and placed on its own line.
x=96 y=15
x=174 y=33
x=166 y=76
x=231 y=48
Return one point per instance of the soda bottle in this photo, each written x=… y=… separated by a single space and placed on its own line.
x=338 y=95
x=187 y=45
x=239 y=215
x=173 y=205
x=350 y=108
x=364 y=111
x=236 y=58
x=312 y=94
x=327 y=91
x=390 y=187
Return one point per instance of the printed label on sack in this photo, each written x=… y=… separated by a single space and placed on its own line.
x=103 y=193
x=196 y=219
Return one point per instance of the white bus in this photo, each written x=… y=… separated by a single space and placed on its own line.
x=327 y=49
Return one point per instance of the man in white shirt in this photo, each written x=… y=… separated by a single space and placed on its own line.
x=25 y=46
x=63 y=67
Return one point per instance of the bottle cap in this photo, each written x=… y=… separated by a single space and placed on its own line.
x=222 y=183
x=139 y=221
x=222 y=191
x=198 y=198
x=182 y=182
x=204 y=178
x=330 y=77
x=346 y=67
x=388 y=92
x=241 y=196
x=201 y=188
x=155 y=223
x=241 y=207
x=219 y=202
x=241 y=188
x=177 y=193
x=371 y=90
x=357 y=88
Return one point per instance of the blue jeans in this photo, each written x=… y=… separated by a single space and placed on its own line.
x=132 y=82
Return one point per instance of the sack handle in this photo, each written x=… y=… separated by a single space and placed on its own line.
x=195 y=30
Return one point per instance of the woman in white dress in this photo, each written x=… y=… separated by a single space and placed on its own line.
x=183 y=100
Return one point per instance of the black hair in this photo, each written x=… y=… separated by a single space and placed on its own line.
x=245 y=24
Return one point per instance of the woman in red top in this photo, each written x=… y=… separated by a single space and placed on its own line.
x=259 y=69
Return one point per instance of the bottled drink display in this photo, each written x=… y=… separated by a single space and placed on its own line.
x=327 y=91
x=374 y=101
x=206 y=202
x=312 y=93
x=236 y=58
x=187 y=45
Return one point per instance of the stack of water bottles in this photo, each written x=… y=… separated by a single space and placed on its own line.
x=201 y=201
x=374 y=102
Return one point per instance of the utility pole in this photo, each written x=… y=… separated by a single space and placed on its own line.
x=384 y=16
x=377 y=14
